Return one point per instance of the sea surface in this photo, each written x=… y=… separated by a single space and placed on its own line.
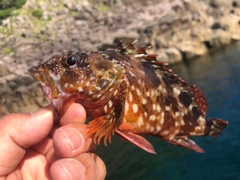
x=218 y=76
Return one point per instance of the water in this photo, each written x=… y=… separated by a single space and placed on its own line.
x=218 y=75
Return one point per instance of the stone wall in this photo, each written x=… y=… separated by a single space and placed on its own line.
x=177 y=30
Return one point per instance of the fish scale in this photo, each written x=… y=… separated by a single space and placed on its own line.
x=128 y=92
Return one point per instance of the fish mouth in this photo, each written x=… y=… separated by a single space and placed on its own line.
x=43 y=75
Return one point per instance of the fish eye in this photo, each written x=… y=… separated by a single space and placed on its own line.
x=72 y=60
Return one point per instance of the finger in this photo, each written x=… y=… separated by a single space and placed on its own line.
x=86 y=166
x=19 y=131
x=71 y=140
x=34 y=165
x=75 y=113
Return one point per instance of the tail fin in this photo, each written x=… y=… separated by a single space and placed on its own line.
x=214 y=127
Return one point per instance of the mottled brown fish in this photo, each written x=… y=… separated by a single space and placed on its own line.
x=128 y=92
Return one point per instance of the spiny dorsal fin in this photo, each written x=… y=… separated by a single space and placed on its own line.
x=140 y=53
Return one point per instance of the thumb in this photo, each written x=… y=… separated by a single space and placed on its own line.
x=18 y=132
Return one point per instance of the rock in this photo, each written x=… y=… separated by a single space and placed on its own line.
x=13 y=107
x=75 y=5
x=162 y=57
x=235 y=36
x=4 y=87
x=218 y=39
x=221 y=3
x=30 y=108
x=174 y=55
x=236 y=3
x=191 y=49
x=11 y=81
x=4 y=71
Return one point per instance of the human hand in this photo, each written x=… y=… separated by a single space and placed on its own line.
x=31 y=147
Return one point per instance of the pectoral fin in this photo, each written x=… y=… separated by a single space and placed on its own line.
x=137 y=140
x=101 y=127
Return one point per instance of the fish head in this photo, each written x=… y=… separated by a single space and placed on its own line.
x=87 y=75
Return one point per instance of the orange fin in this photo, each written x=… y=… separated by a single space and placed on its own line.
x=185 y=142
x=137 y=140
x=102 y=127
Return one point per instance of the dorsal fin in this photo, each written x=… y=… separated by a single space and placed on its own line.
x=198 y=96
x=140 y=53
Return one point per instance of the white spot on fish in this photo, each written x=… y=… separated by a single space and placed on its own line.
x=162 y=118
x=80 y=89
x=154 y=107
x=148 y=126
x=153 y=93
x=115 y=92
x=201 y=121
x=110 y=104
x=144 y=101
x=133 y=87
x=145 y=114
x=177 y=114
x=152 y=129
x=164 y=133
x=135 y=108
x=105 y=108
x=130 y=97
x=66 y=85
x=160 y=87
x=90 y=92
x=158 y=128
x=148 y=94
x=176 y=123
x=198 y=128
x=126 y=107
x=182 y=122
x=152 y=118
x=176 y=90
x=140 y=121
x=138 y=92
x=92 y=78
x=98 y=88
x=87 y=83
x=167 y=108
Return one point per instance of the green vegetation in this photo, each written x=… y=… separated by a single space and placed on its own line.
x=7 y=6
x=102 y=7
x=37 y=13
x=6 y=50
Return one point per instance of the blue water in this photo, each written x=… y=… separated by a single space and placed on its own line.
x=218 y=75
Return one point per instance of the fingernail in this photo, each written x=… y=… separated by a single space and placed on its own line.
x=72 y=168
x=73 y=138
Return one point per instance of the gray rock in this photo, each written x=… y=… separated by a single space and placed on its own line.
x=191 y=49
x=221 y=3
x=4 y=71
x=4 y=87
x=219 y=38
x=174 y=55
x=236 y=3
x=162 y=57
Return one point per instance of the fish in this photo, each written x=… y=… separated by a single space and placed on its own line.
x=128 y=92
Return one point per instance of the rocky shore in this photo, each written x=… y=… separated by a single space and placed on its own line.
x=177 y=30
